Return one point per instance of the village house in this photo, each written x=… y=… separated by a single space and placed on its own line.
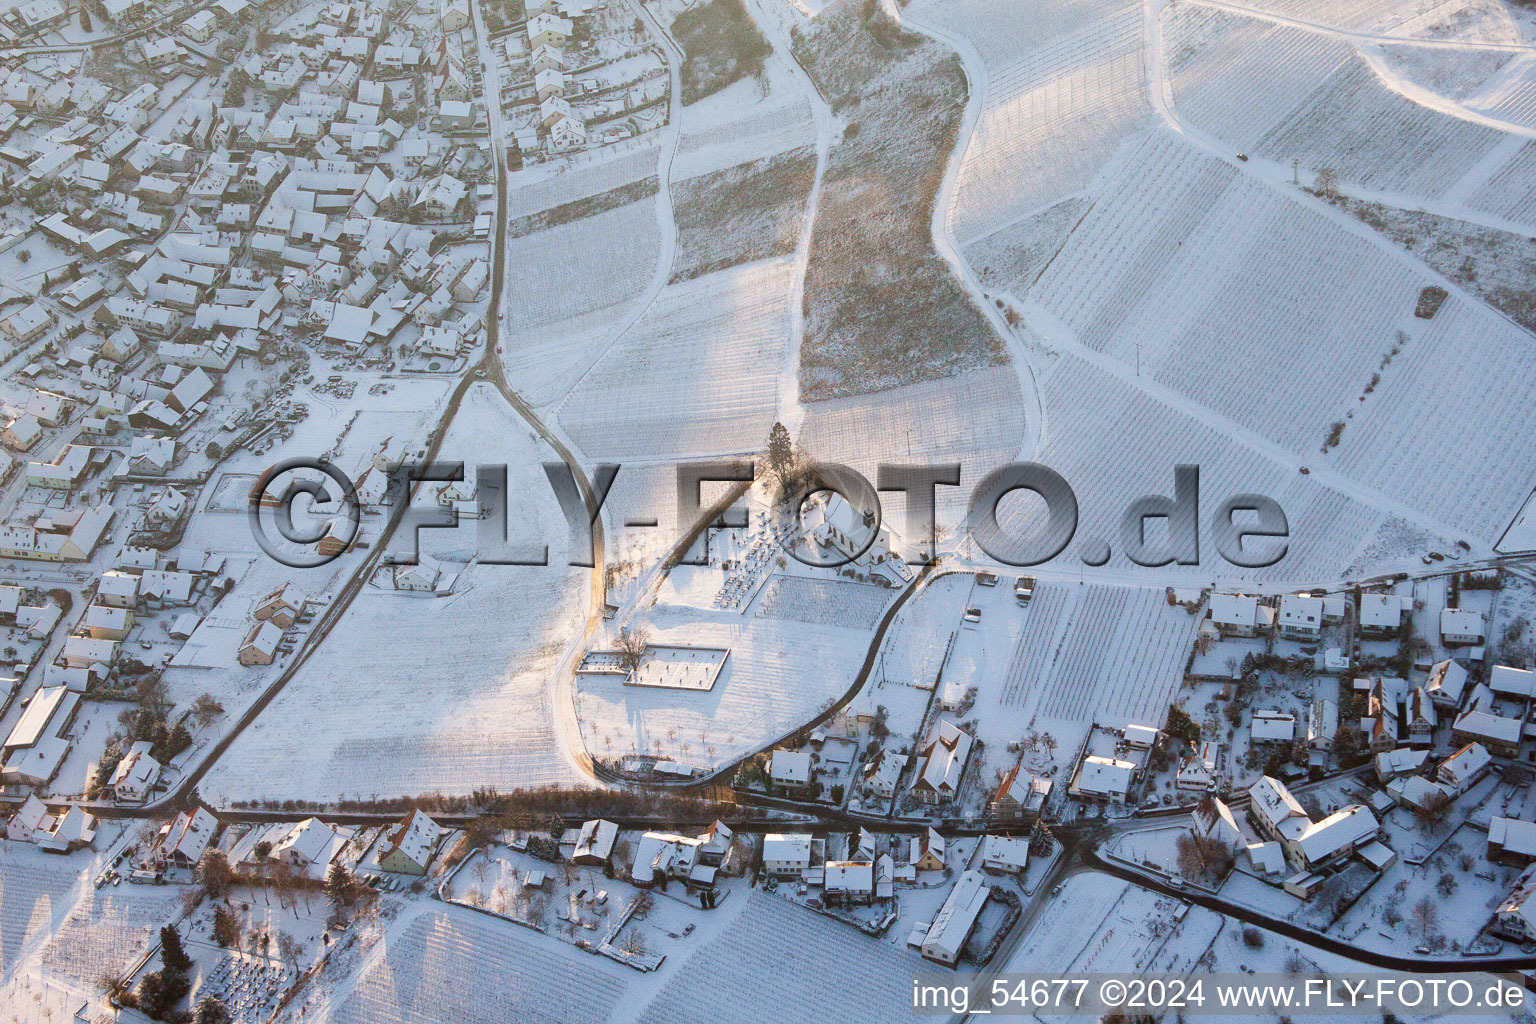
x=1511 y=841
x=1102 y=779
x=182 y=840
x=1480 y=723
x=927 y=851
x=260 y=645
x=790 y=769
x=1381 y=616
x=1301 y=617
x=786 y=854
x=1005 y=855
x=1213 y=820
x=282 y=607
x=1516 y=916
x=594 y=844
x=136 y=774
x=408 y=846
x=1235 y=615
x=1020 y=797
x=1272 y=727
x=1197 y=773
x=1459 y=627
x=307 y=847
x=941 y=765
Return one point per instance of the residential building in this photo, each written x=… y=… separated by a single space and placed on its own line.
x=941 y=762
x=1512 y=841
x=594 y=843
x=136 y=774
x=1005 y=855
x=786 y=854
x=1459 y=627
x=1301 y=617
x=407 y=849
x=1235 y=615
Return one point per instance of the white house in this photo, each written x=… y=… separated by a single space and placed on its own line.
x=942 y=762
x=1460 y=626
x=1005 y=855
x=1381 y=615
x=1198 y=772
x=786 y=854
x=136 y=773
x=1301 y=617
x=1235 y=615
x=306 y=846
x=790 y=768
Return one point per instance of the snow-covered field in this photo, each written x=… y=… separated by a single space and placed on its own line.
x=789 y=658
x=697 y=375
x=420 y=974
x=412 y=694
x=568 y=288
x=814 y=962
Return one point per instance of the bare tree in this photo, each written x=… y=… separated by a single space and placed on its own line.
x=632 y=644
x=1425 y=916
x=289 y=949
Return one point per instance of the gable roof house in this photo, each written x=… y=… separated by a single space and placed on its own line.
x=942 y=764
x=307 y=846
x=408 y=848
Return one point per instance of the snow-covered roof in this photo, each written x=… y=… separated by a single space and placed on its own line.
x=1105 y=776
x=310 y=840
x=787 y=847
x=1381 y=611
x=1270 y=800
x=1512 y=682
x=1342 y=828
x=1513 y=835
x=1234 y=610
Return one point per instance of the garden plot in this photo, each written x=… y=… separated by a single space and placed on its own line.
x=780 y=674
x=1096 y=653
x=819 y=970
x=698 y=375
x=1356 y=125
x=975 y=418
x=567 y=288
x=823 y=602
x=1052 y=120
x=1236 y=77
x=406 y=700
x=1462 y=887
x=420 y=974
